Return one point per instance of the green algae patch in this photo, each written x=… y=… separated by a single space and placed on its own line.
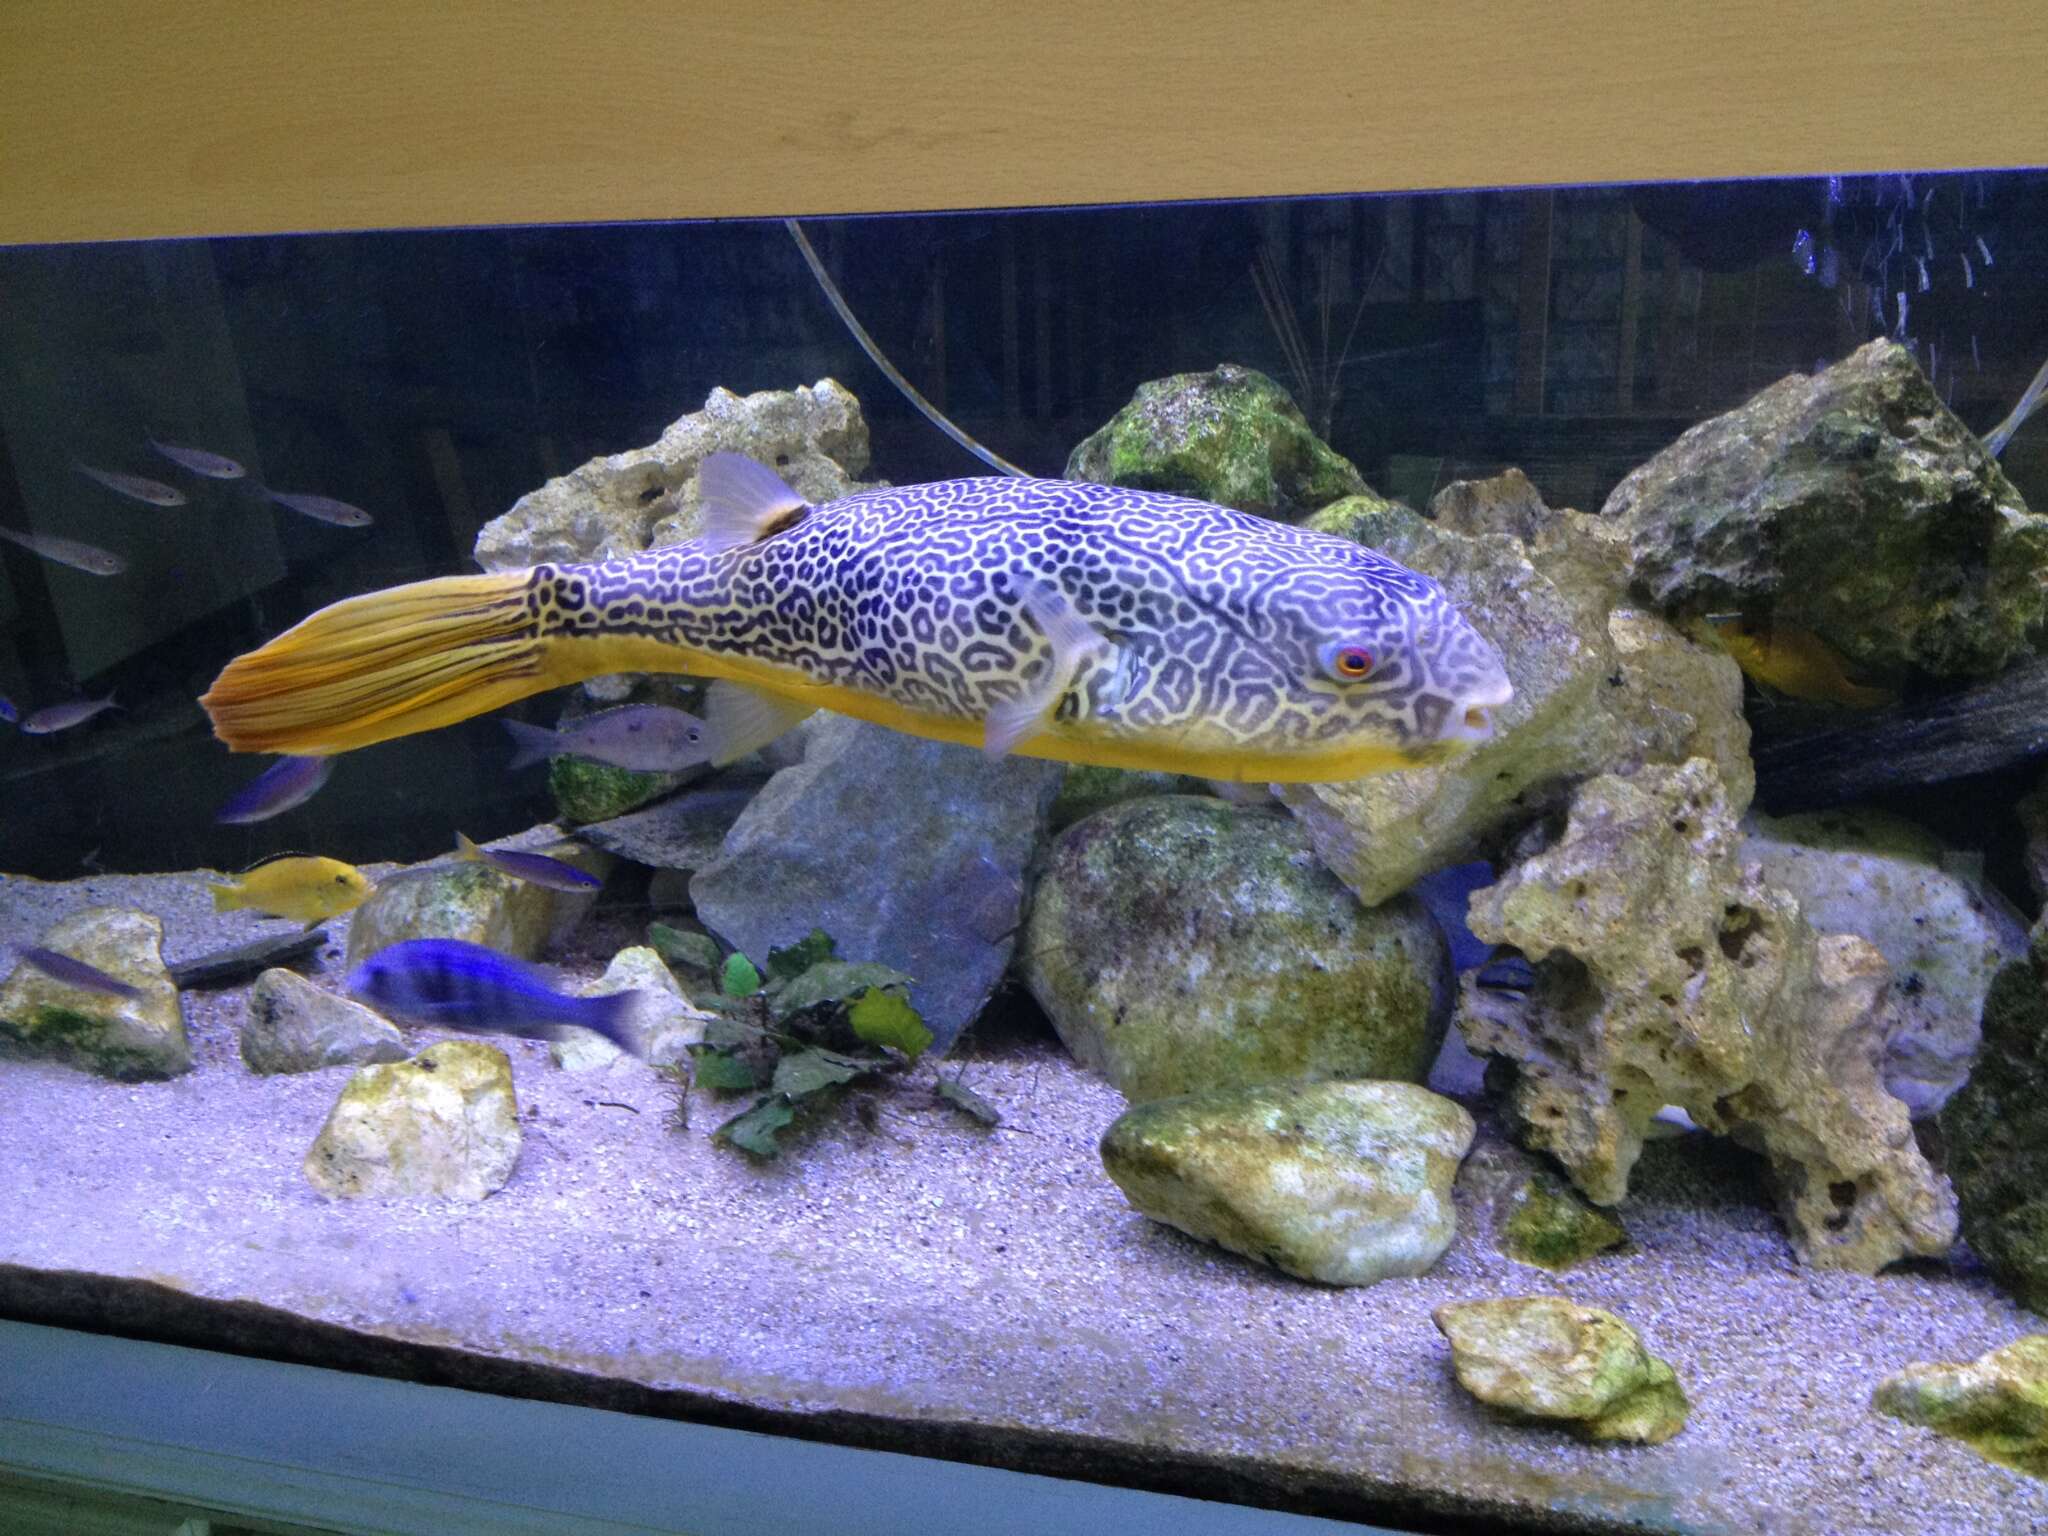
x=1550 y=1226
x=1547 y=1359
x=1233 y=437
x=127 y=1038
x=587 y=790
x=1997 y=1404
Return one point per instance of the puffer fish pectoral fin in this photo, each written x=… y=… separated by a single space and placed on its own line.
x=743 y=501
x=1073 y=643
x=739 y=719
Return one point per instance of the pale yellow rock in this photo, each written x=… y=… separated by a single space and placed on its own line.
x=463 y=899
x=1346 y=1183
x=666 y=1018
x=1547 y=1358
x=119 y=1037
x=445 y=1123
x=1667 y=973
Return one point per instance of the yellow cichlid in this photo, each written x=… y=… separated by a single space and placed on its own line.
x=1795 y=662
x=304 y=889
x=1084 y=623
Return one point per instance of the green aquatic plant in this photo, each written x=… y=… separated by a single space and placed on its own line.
x=794 y=1032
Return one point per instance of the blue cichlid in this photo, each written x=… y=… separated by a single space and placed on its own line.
x=8 y=712
x=450 y=984
x=76 y=973
x=289 y=782
x=534 y=868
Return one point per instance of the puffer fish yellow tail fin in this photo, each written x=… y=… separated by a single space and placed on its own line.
x=388 y=663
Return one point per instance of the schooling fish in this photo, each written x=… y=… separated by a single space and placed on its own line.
x=534 y=868
x=1085 y=623
x=76 y=973
x=304 y=889
x=448 y=984
x=61 y=717
x=213 y=466
x=289 y=782
x=80 y=557
x=1796 y=662
x=137 y=487
x=648 y=738
x=325 y=508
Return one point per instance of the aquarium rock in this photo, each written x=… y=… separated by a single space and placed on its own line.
x=1850 y=503
x=1668 y=973
x=1087 y=789
x=293 y=1025
x=685 y=831
x=1944 y=932
x=445 y=1123
x=667 y=1020
x=120 y=1037
x=455 y=899
x=1996 y=1131
x=1547 y=1224
x=1997 y=1404
x=1179 y=944
x=1599 y=685
x=814 y=437
x=1345 y=1183
x=238 y=962
x=1232 y=437
x=1547 y=1358
x=908 y=852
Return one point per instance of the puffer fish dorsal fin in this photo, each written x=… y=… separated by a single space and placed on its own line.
x=743 y=501
x=739 y=719
x=1073 y=642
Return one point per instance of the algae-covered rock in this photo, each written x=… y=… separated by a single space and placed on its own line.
x=1086 y=790
x=294 y=1026
x=1232 y=437
x=587 y=790
x=1345 y=1183
x=1852 y=504
x=1943 y=930
x=814 y=437
x=910 y=853
x=1667 y=973
x=1550 y=1226
x=1599 y=685
x=457 y=899
x=1996 y=1131
x=666 y=1020
x=1179 y=943
x=445 y=1123
x=1997 y=1404
x=120 y=1037
x=1549 y=1359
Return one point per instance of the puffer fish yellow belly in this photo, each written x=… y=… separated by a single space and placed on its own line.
x=1083 y=623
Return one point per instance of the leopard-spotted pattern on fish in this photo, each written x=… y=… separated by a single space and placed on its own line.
x=914 y=594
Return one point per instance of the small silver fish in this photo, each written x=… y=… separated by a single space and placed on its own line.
x=89 y=558
x=214 y=466
x=323 y=508
x=647 y=738
x=61 y=717
x=289 y=782
x=1985 y=251
x=138 y=487
x=76 y=973
x=534 y=868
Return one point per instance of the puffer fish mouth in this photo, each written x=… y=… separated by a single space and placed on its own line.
x=1471 y=722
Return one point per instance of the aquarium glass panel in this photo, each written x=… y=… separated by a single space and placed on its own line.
x=1379 y=856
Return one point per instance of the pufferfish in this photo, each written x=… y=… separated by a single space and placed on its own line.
x=1083 y=623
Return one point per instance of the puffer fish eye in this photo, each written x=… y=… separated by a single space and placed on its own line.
x=1348 y=663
